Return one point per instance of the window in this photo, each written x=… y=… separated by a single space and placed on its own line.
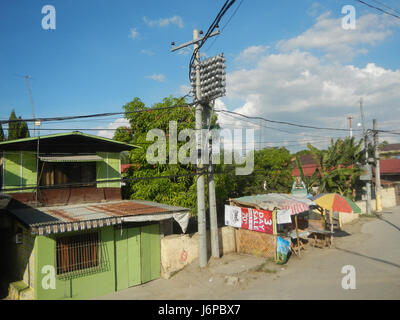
x=56 y=173
x=77 y=253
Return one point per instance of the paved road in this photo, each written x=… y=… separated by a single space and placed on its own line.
x=371 y=245
x=373 y=250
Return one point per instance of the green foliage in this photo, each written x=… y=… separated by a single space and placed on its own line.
x=338 y=167
x=178 y=191
x=272 y=170
x=272 y=166
x=302 y=152
x=17 y=130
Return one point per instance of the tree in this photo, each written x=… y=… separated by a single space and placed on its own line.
x=338 y=167
x=18 y=129
x=178 y=191
x=272 y=173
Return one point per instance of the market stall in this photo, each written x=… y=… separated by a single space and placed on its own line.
x=274 y=214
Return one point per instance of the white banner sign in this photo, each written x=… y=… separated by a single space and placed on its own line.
x=283 y=216
x=233 y=216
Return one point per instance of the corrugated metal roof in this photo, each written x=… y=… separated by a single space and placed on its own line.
x=66 y=134
x=83 y=216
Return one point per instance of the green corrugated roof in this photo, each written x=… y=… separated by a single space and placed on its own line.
x=67 y=134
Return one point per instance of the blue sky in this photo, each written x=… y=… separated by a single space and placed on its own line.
x=102 y=54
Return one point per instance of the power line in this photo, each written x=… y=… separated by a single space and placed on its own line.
x=229 y=20
x=212 y=27
x=96 y=115
x=379 y=9
x=281 y=130
x=386 y=6
x=283 y=122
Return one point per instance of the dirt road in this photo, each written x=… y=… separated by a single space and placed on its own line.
x=371 y=246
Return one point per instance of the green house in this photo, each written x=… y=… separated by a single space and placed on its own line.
x=71 y=234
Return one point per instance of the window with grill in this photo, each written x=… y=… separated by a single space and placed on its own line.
x=78 y=253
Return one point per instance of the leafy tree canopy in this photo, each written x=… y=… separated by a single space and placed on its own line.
x=179 y=191
x=17 y=130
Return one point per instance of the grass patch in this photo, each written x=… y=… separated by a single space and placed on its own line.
x=372 y=215
x=264 y=267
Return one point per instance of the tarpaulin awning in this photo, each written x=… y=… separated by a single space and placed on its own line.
x=182 y=218
x=72 y=158
x=270 y=201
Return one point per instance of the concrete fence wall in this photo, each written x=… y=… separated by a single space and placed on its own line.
x=177 y=251
x=388 y=200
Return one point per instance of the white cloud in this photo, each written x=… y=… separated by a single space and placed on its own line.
x=147 y=52
x=121 y=122
x=134 y=34
x=337 y=43
x=184 y=89
x=156 y=77
x=300 y=87
x=314 y=9
x=252 y=53
x=300 y=82
x=163 y=22
x=185 y=51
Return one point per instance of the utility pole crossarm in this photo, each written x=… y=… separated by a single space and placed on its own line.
x=194 y=41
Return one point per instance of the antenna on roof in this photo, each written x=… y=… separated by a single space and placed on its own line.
x=28 y=83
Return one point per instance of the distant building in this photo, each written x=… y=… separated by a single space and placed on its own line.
x=390 y=151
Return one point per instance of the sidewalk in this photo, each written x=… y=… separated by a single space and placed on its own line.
x=219 y=278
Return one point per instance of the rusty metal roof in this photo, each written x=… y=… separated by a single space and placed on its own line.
x=89 y=215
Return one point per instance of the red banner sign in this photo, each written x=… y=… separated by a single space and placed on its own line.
x=257 y=220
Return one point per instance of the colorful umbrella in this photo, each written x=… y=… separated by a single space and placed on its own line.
x=356 y=208
x=336 y=202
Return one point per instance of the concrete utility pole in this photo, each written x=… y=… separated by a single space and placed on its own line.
x=211 y=196
x=368 y=184
x=378 y=187
x=201 y=212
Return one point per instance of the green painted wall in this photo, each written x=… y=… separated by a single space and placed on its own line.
x=19 y=170
x=83 y=287
x=29 y=170
x=108 y=169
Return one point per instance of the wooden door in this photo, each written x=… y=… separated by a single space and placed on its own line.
x=134 y=276
x=127 y=257
x=150 y=252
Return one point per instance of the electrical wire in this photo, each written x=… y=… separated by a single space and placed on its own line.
x=386 y=6
x=212 y=27
x=285 y=122
x=95 y=115
x=222 y=30
x=379 y=9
